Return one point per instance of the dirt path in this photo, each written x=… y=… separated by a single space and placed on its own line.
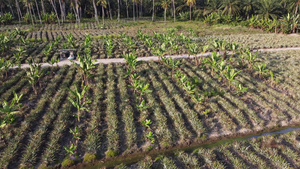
x=154 y=58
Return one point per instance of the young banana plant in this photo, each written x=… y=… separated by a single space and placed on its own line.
x=147 y=123
x=109 y=46
x=71 y=150
x=71 y=41
x=86 y=64
x=230 y=74
x=142 y=105
x=131 y=61
x=34 y=74
x=193 y=50
x=19 y=52
x=251 y=58
x=241 y=89
x=171 y=63
x=261 y=68
x=143 y=88
x=76 y=134
x=8 y=111
x=80 y=101
x=4 y=66
x=233 y=47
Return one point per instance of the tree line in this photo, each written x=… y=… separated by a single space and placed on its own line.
x=39 y=11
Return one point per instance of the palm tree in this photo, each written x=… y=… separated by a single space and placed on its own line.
x=294 y=6
x=54 y=8
x=268 y=9
x=103 y=3
x=165 y=5
x=118 y=10
x=248 y=7
x=230 y=7
x=174 y=14
x=212 y=6
x=153 y=11
x=190 y=3
x=96 y=12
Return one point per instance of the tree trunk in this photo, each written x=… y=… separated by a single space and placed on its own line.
x=18 y=11
x=190 y=12
x=137 y=11
x=51 y=1
x=126 y=1
x=38 y=10
x=96 y=12
x=103 y=15
x=133 y=12
x=118 y=10
x=61 y=11
x=109 y=10
x=43 y=7
x=165 y=16
x=153 y=11
x=28 y=4
x=174 y=10
x=297 y=6
x=77 y=11
x=141 y=9
x=33 y=13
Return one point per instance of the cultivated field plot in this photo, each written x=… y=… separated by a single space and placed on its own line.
x=43 y=46
x=266 y=152
x=158 y=106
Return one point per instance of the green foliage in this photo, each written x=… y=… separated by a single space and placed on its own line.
x=48 y=18
x=67 y=162
x=71 y=41
x=34 y=74
x=86 y=64
x=230 y=74
x=6 y=18
x=142 y=105
x=261 y=68
x=80 y=100
x=71 y=17
x=70 y=150
x=109 y=46
x=76 y=133
x=131 y=61
x=53 y=61
x=147 y=123
x=8 y=111
x=111 y=153
x=4 y=66
x=88 y=158
x=150 y=137
x=241 y=89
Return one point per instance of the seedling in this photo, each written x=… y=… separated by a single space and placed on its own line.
x=53 y=61
x=80 y=101
x=8 y=111
x=142 y=105
x=206 y=112
x=5 y=65
x=86 y=64
x=34 y=74
x=241 y=89
x=261 y=68
x=71 y=150
x=150 y=137
x=230 y=74
x=147 y=123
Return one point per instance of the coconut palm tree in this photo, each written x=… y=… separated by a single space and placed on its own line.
x=153 y=10
x=230 y=7
x=103 y=3
x=294 y=6
x=212 y=6
x=165 y=5
x=268 y=9
x=96 y=11
x=190 y=3
x=248 y=7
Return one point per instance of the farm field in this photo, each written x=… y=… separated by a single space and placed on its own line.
x=278 y=151
x=143 y=107
x=43 y=45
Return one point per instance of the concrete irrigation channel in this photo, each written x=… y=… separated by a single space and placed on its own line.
x=150 y=58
